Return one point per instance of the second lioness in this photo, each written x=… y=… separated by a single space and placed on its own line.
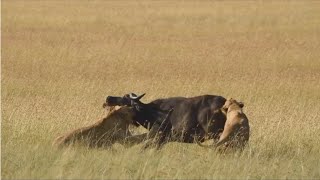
x=236 y=129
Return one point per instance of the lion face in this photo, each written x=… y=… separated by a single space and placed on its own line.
x=231 y=102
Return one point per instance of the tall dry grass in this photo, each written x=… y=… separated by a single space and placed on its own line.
x=60 y=59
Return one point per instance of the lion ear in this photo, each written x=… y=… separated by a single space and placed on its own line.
x=224 y=111
x=241 y=104
x=225 y=108
x=226 y=104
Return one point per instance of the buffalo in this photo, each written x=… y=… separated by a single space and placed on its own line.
x=178 y=118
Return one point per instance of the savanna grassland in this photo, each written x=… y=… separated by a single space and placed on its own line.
x=60 y=59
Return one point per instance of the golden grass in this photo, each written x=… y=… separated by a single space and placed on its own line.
x=60 y=59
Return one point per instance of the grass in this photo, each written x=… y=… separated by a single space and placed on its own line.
x=60 y=59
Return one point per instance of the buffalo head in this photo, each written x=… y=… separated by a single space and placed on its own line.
x=131 y=99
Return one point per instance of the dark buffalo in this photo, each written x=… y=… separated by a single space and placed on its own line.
x=177 y=118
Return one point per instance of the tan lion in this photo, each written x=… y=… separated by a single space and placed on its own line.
x=236 y=129
x=111 y=129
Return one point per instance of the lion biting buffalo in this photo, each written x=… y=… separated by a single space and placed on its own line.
x=236 y=129
x=177 y=119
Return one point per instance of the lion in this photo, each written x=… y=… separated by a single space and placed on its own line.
x=105 y=132
x=236 y=129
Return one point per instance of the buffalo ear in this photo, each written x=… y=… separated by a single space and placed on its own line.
x=241 y=104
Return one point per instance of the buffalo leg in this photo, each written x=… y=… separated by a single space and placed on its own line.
x=158 y=135
x=160 y=132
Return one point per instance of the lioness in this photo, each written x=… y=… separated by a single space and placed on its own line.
x=105 y=132
x=236 y=129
